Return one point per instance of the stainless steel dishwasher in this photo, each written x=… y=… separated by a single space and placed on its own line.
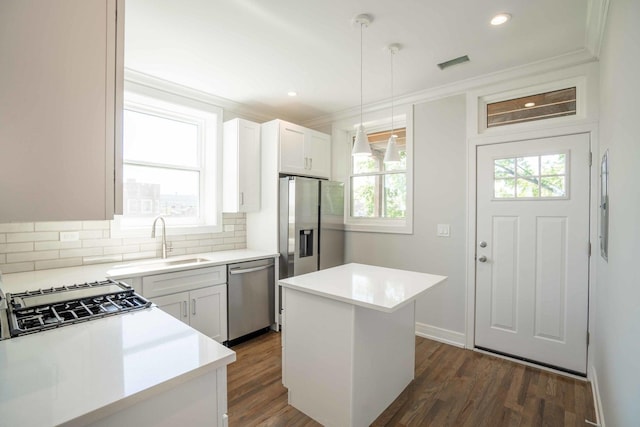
x=251 y=287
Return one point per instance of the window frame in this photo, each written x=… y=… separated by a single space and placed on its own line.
x=402 y=119
x=208 y=117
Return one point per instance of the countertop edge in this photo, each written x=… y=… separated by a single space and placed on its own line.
x=359 y=303
x=147 y=393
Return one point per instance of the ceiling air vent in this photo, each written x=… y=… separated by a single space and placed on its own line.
x=454 y=61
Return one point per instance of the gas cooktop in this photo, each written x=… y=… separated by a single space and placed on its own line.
x=34 y=311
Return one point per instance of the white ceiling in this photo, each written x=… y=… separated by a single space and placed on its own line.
x=254 y=51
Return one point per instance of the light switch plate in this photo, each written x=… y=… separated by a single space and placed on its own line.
x=443 y=230
x=69 y=236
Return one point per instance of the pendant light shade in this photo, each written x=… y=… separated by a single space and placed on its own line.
x=392 y=155
x=361 y=145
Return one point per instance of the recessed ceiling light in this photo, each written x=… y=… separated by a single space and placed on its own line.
x=530 y=104
x=292 y=93
x=500 y=18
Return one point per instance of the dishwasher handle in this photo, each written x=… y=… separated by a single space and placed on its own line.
x=249 y=270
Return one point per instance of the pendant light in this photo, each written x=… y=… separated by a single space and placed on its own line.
x=392 y=155
x=361 y=145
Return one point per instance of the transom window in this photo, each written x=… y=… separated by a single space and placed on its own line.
x=531 y=177
x=378 y=189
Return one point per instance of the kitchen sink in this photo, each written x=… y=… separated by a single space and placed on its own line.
x=151 y=265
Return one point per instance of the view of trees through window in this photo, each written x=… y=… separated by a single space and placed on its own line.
x=531 y=177
x=378 y=189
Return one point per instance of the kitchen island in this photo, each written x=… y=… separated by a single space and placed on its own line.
x=349 y=340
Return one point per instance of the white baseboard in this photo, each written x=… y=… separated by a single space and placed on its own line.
x=439 y=334
x=597 y=402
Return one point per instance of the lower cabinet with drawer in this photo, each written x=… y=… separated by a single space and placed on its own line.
x=197 y=297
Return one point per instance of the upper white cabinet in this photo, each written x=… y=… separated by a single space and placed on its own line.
x=302 y=151
x=60 y=96
x=241 y=169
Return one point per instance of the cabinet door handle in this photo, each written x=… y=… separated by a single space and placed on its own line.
x=184 y=307
x=193 y=310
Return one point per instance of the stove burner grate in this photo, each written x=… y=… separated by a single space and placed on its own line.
x=35 y=311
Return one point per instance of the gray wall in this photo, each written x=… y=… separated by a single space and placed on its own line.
x=616 y=344
x=439 y=198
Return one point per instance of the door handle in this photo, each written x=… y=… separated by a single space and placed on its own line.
x=193 y=310
x=185 y=311
x=482 y=259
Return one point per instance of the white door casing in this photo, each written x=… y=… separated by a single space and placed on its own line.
x=532 y=290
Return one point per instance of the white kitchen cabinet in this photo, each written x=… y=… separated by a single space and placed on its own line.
x=198 y=297
x=301 y=151
x=60 y=103
x=203 y=309
x=241 y=166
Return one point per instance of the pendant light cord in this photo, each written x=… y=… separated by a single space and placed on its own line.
x=361 y=86
x=391 y=93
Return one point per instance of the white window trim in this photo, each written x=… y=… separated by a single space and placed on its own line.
x=381 y=120
x=158 y=99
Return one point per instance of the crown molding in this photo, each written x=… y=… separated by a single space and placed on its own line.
x=228 y=106
x=596 y=21
x=578 y=57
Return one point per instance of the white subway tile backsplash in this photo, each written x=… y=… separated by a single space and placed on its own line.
x=16 y=247
x=58 y=226
x=91 y=234
x=45 y=246
x=138 y=255
x=33 y=237
x=233 y=240
x=101 y=259
x=35 y=246
x=82 y=252
x=31 y=256
x=94 y=243
x=16 y=227
x=125 y=249
x=18 y=267
x=58 y=263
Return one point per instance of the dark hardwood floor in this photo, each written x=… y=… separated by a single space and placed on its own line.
x=452 y=387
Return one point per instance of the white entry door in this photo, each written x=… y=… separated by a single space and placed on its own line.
x=532 y=250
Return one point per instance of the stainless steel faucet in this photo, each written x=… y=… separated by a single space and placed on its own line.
x=164 y=234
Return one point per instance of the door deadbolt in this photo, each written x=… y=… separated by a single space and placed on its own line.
x=483 y=244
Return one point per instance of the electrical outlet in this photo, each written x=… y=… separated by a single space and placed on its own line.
x=69 y=236
x=443 y=230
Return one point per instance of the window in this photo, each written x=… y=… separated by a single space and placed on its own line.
x=378 y=189
x=531 y=177
x=380 y=195
x=540 y=106
x=170 y=163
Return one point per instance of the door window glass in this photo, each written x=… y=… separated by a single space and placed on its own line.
x=531 y=177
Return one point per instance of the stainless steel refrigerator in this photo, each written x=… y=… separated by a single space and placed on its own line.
x=311 y=225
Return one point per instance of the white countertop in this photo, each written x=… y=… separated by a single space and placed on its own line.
x=378 y=288
x=88 y=370
x=32 y=280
